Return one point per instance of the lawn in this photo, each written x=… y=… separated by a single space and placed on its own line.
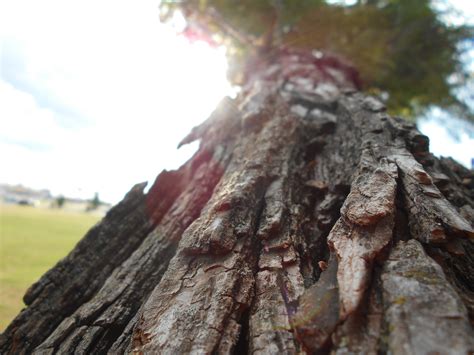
x=32 y=240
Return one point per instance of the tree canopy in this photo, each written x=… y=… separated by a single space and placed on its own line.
x=403 y=50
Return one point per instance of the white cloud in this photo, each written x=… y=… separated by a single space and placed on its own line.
x=23 y=121
x=137 y=87
x=449 y=136
x=456 y=12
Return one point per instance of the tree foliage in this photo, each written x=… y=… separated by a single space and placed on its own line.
x=60 y=200
x=402 y=49
x=94 y=203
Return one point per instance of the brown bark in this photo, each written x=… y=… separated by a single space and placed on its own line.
x=308 y=221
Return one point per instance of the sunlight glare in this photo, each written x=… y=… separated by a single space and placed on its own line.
x=109 y=90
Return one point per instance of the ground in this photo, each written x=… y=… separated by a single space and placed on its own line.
x=32 y=240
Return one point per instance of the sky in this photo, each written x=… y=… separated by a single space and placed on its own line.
x=95 y=95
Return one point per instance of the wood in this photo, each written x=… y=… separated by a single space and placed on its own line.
x=309 y=221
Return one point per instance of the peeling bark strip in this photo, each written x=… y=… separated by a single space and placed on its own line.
x=318 y=311
x=285 y=233
x=436 y=219
x=364 y=230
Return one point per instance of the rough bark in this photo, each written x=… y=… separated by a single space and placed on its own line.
x=308 y=221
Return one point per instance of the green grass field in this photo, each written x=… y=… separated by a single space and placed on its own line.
x=32 y=240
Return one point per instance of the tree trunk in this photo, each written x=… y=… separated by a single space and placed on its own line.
x=308 y=221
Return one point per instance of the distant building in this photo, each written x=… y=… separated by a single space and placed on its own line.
x=19 y=194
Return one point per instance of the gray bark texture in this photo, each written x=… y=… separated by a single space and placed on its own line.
x=309 y=221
